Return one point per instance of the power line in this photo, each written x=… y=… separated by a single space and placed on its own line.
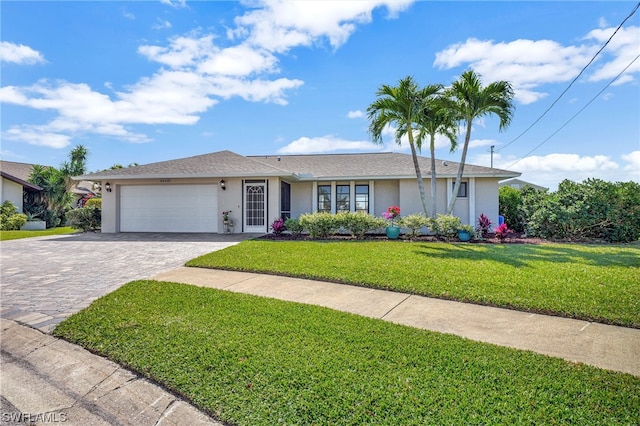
x=577 y=113
x=574 y=80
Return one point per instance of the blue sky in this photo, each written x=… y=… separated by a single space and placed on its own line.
x=149 y=81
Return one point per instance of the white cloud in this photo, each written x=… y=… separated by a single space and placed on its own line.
x=479 y=143
x=19 y=54
x=525 y=63
x=37 y=136
x=178 y=4
x=633 y=160
x=161 y=24
x=279 y=25
x=623 y=47
x=196 y=72
x=528 y=64
x=355 y=114
x=549 y=170
x=325 y=144
x=128 y=15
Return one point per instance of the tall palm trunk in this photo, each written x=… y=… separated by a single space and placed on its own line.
x=414 y=155
x=432 y=150
x=456 y=187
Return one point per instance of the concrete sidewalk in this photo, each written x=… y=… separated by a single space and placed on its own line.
x=603 y=346
x=48 y=380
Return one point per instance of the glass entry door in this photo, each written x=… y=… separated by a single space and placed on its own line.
x=255 y=207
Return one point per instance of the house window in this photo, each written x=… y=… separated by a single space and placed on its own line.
x=462 y=192
x=324 y=198
x=285 y=200
x=343 y=193
x=362 y=198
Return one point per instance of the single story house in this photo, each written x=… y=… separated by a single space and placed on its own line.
x=14 y=182
x=190 y=194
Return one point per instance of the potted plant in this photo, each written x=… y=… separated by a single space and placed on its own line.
x=465 y=232
x=225 y=217
x=392 y=230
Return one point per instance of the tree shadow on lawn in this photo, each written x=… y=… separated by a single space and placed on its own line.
x=524 y=255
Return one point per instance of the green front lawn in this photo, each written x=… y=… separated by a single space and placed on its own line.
x=591 y=282
x=16 y=235
x=259 y=361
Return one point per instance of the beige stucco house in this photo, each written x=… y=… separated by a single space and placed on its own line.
x=190 y=194
x=14 y=182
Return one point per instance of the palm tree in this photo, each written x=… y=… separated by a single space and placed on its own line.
x=472 y=100
x=402 y=105
x=438 y=118
x=76 y=166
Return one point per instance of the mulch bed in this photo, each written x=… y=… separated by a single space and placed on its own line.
x=491 y=238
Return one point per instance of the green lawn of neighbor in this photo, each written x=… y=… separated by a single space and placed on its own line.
x=590 y=282
x=258 y=361
x=16 y=235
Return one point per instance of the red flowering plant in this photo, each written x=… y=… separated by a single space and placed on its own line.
x=502 y=232
x=392 y=213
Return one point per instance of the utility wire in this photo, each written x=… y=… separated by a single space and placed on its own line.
x=577 y=113
x=574 y=80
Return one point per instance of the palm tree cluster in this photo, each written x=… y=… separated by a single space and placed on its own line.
x=56 y=196
x=437 y=110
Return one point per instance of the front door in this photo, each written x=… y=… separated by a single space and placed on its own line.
x=255 y=207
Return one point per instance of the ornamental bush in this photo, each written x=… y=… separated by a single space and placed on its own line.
x=294 y=226
x=358 y=223
x=10 y=219
x=85 y=218
x=445 y=225
x=319 y=224
x=94 y=202
x=414 y=223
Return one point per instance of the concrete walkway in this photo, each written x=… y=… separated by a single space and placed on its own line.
x=603 y=346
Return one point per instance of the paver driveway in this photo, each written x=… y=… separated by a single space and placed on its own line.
x=44 y=280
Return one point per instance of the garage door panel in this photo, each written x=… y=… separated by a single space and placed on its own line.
x=168 y=208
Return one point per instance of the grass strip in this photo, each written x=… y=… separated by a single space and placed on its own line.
x=259 y=361
x=16 y=235
x=590 y=282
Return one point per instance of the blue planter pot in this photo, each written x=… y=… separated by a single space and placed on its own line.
x=393 y=232
x=464 y=236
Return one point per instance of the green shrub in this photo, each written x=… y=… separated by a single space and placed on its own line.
x=94 y=202
x=319 y=224
x=414 y=223
x=85 y=218
x=446 y=225
x=52 y=218
x=293 y=226
x=10 y=219
x=593 y=209
x=510 y=202
x=358 y=223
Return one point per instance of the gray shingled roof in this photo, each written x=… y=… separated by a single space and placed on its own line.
x=372 y=165
x=217 y=164
x=298 y=167
x=18 y=173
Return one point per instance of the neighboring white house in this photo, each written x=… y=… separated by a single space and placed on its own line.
x=14 y=182
x=190 y=194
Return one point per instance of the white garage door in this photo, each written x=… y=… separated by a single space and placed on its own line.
x=169 y=208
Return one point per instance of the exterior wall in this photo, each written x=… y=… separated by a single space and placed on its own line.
x=301 y=198
x=386 y=193
x=487 y=199
x=12 y=191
